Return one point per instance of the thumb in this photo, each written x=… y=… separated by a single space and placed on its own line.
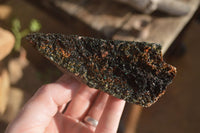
x=36 y=115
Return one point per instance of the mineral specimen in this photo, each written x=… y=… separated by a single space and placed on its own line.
x=133 y=71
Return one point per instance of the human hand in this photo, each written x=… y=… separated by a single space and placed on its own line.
x=44 y=112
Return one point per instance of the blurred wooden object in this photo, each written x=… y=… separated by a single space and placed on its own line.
x=16 y=66
x=7 y=41
x=172 y=7
x=6 y=44
x=117 y=21
x=163 y=30
x=16 y=99
x=4 y=89
x=4 y=12
x=103 y=16
x=132 y=119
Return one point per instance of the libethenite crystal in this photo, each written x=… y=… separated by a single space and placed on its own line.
x=133 y=71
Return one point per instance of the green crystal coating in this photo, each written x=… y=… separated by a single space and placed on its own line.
x=133 y=71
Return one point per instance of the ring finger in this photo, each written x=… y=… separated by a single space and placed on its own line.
x=94 y=114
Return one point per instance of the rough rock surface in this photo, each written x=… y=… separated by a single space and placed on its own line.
x=133 y=71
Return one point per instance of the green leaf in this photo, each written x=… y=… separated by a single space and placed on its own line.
x=34 y=25
x=16 y=25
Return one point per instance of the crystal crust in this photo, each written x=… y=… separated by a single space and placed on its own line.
x=133 y=71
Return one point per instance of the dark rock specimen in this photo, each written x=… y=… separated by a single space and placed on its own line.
x=133 y=71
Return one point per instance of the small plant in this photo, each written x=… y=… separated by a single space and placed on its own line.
x=34 y=26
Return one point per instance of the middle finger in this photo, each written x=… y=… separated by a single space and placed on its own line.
x=81 y=102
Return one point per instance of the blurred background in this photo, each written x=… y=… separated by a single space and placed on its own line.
x=174 y=24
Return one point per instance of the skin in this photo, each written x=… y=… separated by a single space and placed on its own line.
x=44 y=112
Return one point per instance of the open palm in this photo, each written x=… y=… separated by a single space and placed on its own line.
x=46 y=111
